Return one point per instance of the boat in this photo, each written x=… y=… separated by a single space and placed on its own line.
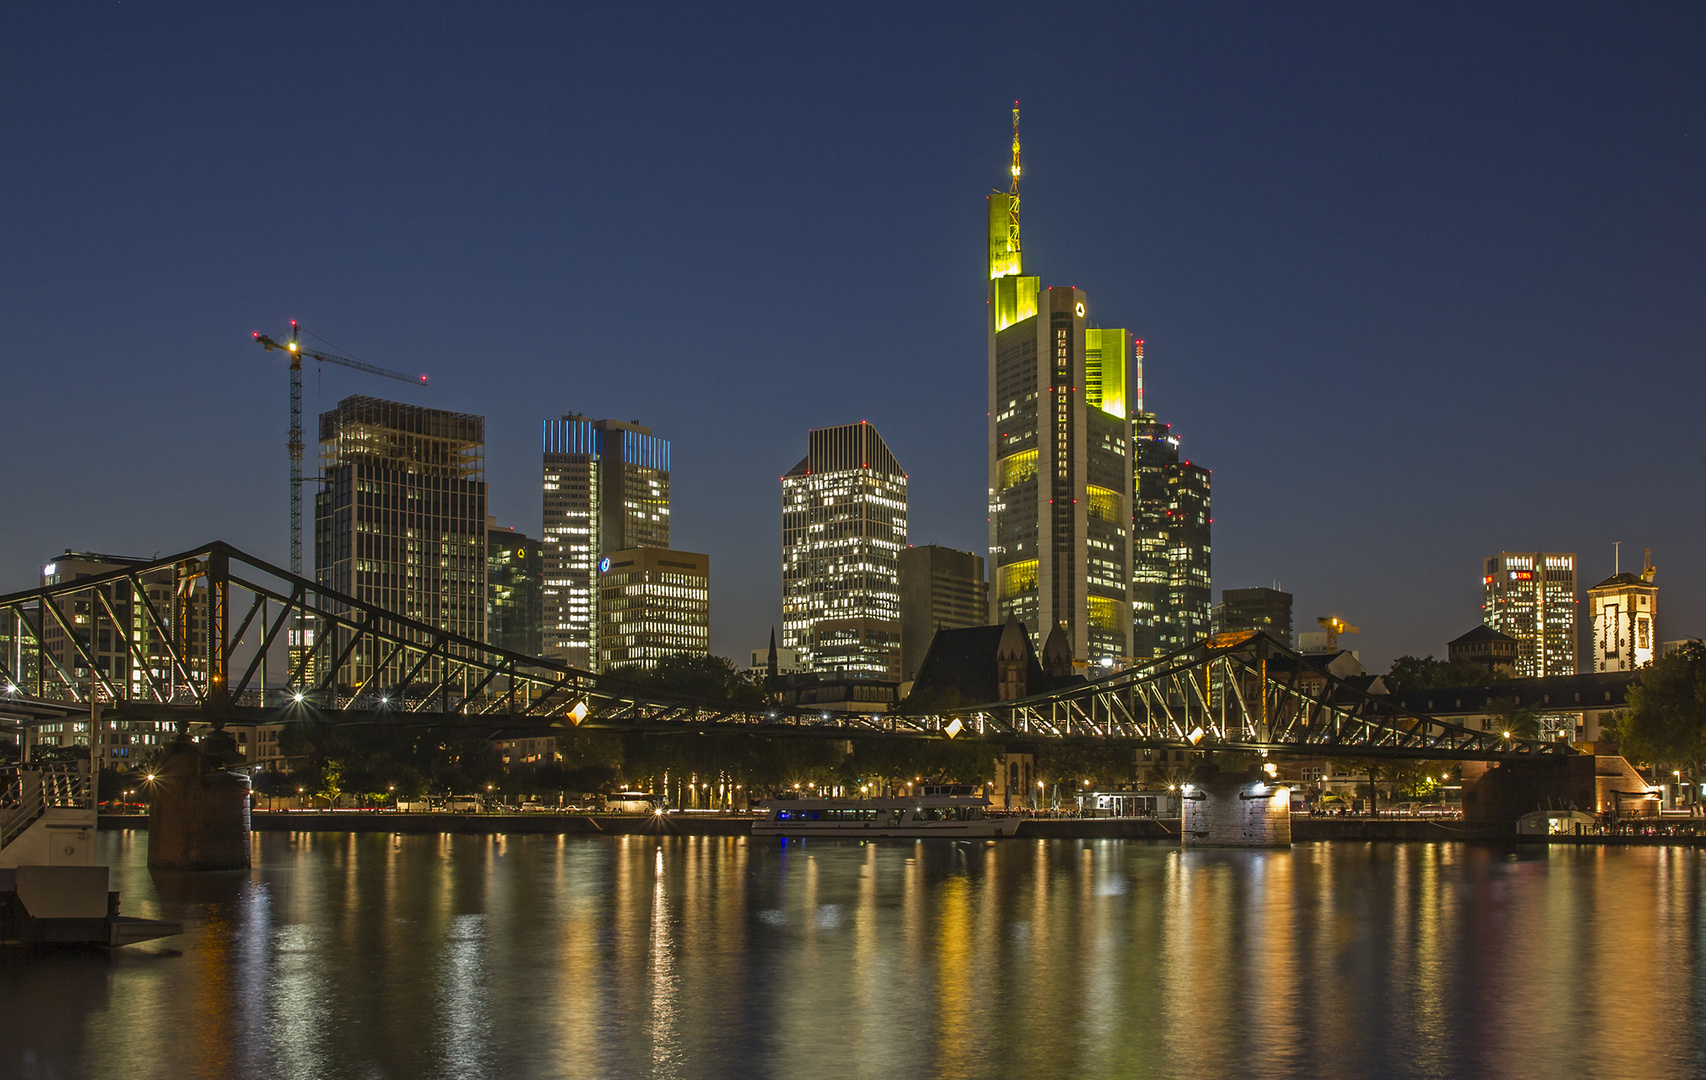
x=958 y=817
x=52 y=892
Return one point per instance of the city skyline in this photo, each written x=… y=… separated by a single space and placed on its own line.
x=1391 y=319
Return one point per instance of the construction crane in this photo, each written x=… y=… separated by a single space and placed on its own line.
x=296 y=350
x=1334 y=627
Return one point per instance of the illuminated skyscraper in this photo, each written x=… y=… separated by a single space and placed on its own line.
x=843 y=528
x=400 y=522
x=1059 y=447
x=1625 y=612
x=1531 y=595
x=606 y=489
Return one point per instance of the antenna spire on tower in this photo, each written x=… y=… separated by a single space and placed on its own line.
x=1013 y=191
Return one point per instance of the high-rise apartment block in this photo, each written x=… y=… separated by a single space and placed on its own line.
x=515 y=584
x=606 y=488
x=1625 y=611
x=652 y=603
x=1059 y=453
x=400 y=520
x=843 y=529
x=940 y=589
x=1267 y=610
x=1531 y=595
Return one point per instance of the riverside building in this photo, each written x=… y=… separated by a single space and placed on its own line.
x=1531 y=595
x=400 y=522
x=1059 y=443
x=606 y=488
x=843 y=529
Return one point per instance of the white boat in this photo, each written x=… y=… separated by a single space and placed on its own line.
x=960 y=817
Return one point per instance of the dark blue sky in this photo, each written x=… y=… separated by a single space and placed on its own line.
x=1418 y=283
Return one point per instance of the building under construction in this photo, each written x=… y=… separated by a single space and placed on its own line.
x=400 y=516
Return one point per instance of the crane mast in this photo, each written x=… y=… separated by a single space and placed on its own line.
x=294 y=444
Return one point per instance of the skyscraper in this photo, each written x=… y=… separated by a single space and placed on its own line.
x=843 y=528
x=1189 y=596
x=1531 y=595
x=515 y=583
x=606 y=488
x=940 y=589
x=400 y=519
x=1059 y=447
x=1170 y=531
x=1154 y=450
x=1625 y=611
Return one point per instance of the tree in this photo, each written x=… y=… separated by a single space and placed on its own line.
x=1666 y=720
x=1426 y=673
x=695 y=675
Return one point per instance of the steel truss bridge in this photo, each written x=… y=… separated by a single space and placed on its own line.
x=218 y=636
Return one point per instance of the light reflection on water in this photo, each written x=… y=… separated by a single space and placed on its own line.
x=379 y=956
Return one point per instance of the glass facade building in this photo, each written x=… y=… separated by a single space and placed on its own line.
x=606 y=488
x=1267 y=610
x=652 y=603
x=843 y=528
x=400 y=521
x=1189 y=597
x=1531 y=595
x=515 y=583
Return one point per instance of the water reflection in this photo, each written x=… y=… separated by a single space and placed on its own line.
x=359 y=956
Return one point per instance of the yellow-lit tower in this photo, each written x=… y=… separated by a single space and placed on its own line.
x=1059 y=445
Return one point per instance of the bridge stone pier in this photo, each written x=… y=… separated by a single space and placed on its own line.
x=1236 y=809
x=199 y=816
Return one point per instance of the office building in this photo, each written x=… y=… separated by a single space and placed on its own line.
x=940 y=589
x=1531 y=596
x=606 y=488
x=1624 y=609
x=843 y=529
x=652 y=603
x=1267 y=610
x=1059 y=443
x=515 y=583
x=400 y=523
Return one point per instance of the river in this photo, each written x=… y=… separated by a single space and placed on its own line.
x=375 y=956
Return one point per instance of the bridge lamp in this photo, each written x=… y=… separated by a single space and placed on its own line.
x=1196 y=735
x=384 y=701
x=578 y=713
x=1507 y=734
x=1271 y=769
x=297 y=696
x=954 y=727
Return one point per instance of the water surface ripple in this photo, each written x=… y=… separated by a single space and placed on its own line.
x=373 y=956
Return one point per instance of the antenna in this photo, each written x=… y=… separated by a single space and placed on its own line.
x=1616 y=557
x=1013 y=191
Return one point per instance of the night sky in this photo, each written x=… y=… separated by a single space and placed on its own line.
x=1418 y=283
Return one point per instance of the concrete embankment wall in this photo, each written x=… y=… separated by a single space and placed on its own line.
x=1304 y=830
